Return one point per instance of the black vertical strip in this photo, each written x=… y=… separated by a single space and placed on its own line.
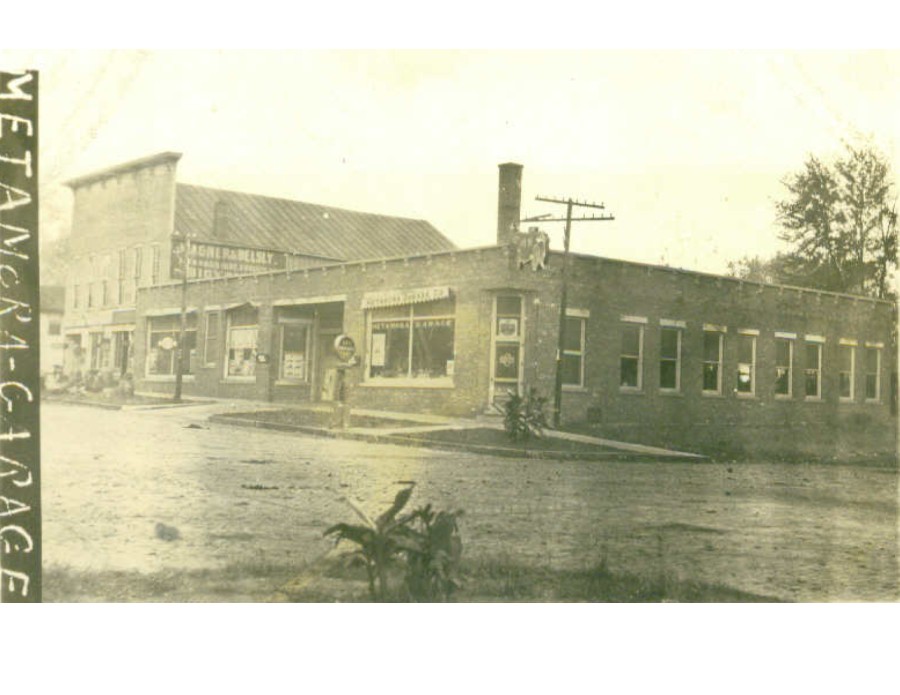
x=20 y=436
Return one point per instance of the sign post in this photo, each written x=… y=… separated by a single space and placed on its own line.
x=345 y=349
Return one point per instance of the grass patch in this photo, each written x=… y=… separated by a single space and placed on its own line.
x=505 y=581
x=317 y=418
x=237 y=582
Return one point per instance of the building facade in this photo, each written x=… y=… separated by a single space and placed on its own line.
x=131 y=222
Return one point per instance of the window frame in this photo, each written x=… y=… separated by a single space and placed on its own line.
x=819 y=342
x=155 y=260
x=721 y=332
x=877 y=347
x=848 y=344
x=581 y=316
x=447 y=380
x=226 y=362
x=640 y=323
x=790 y=339
x=679 y=328
x=308 y=325
x=753 y=335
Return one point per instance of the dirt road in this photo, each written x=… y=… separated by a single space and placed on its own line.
x=797 y=532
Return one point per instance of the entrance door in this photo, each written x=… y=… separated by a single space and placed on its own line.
x=507 y=350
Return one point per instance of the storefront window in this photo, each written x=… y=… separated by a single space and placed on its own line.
x=162 y=351
x=242 y=342
x=295 y=351
x=413 y=341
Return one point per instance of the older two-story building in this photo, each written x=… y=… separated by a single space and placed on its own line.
x=129 y=226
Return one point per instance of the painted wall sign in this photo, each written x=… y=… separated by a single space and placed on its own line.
x=375 y=300
x=20 y=492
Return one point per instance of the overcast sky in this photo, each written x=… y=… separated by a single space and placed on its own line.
x=686 y=149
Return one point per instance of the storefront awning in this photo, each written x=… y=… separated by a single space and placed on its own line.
x=376 y=300
x=169 y=311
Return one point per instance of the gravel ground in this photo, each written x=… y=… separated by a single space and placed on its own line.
x=235 y=495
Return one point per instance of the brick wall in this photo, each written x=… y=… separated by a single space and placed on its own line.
x=608 y=290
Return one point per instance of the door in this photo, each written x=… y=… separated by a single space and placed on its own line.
x=507 y=348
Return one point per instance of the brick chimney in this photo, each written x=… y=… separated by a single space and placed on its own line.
x=509 y=203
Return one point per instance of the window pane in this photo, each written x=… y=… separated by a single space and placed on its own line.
x=432 y=347
x=668 y=343
x=845 y=384
x=745 y=379
x=812 y=356
x=242 y=351
x=782 y=352
x=293 y=351
x=846 y=358
x=390 y=349
x=629 y=372
x=871 y=360
x=507 y=362
x=745 y=348
x=812 y=382
x=667 y=374
x=572 y=339
x=509 y=306
x=710 y=377
x=631 y=340
x=711 y=346
x=782 y=381
x=571 y=370
x=871 y=386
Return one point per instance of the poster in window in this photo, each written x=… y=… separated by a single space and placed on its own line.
x=378 y=349
x=508 y=327
x=507 y=362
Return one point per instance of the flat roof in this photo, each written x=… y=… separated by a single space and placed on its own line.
x=124 y=168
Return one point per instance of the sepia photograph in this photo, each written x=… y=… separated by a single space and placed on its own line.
x=470 y=326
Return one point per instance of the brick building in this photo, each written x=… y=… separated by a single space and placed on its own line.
x=129 y=224
x=651 y=354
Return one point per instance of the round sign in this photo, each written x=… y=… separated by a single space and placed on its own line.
x=167 y=343
x=344 y=347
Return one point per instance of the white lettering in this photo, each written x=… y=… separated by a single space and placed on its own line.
x=15 y=88
x=13 y=576
x=24 y=197
x=12 y=507
x=14 y=305
x=15 y=468
x=16 y=344
x=25 y=161
x=8 y=269
x=16 y=120
x=10 y=545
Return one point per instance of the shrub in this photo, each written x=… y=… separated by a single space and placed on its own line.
x=524 y=416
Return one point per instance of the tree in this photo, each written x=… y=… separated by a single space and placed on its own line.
x=841 y=222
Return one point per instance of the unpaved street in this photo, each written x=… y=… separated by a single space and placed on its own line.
x=800 y=532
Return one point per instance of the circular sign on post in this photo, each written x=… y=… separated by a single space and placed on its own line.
x=344 y=347
x=167 y=343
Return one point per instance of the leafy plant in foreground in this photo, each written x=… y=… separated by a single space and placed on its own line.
x=524 y=416
x=425 y=543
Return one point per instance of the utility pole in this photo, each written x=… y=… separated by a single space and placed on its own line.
x=569 y=203
x=179 y=356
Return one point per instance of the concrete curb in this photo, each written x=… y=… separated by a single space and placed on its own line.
x=423 y=442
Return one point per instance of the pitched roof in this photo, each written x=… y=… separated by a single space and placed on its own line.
x=53 y=298
x=303 y=228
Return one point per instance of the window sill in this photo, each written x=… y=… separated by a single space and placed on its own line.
x=445 y=383
x=670 y=393
x=168 y=378
x=711 y=394
x=846 y=401
x=745 y=396
x=291 y=382
x=784 y=396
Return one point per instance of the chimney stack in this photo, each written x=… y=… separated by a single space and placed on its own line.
x=509 y=203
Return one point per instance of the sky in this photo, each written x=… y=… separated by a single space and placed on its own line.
x=687 y=149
